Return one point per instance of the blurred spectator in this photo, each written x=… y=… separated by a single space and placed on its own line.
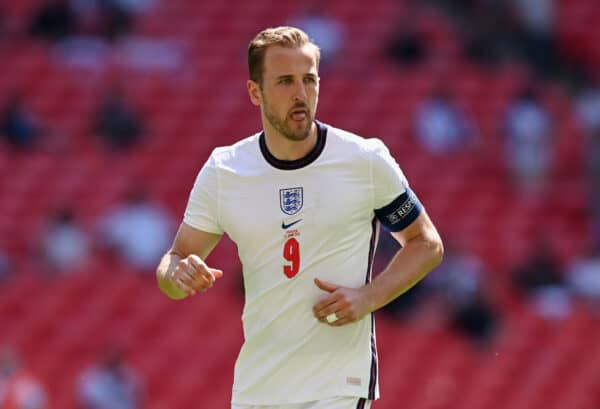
x=103 y=27
x=138 y=230
x=65 y=244
x=110 y=384
x=459 y=279
x=529 y=145
x=325 y=30
x=476 y=318
x=136 y=6
x=19 y=387
x=488 y=29
x=406 y=45
x=116 y=122
x=105 y=23
x=540 y=280
x=20 y=126
x=460 y=274
x=441 y=126
x=119 y=16
x=537 y=37
x=54 y=21
x=497 y=30
x=117 y=20
x=537 y=16
x=583 y=277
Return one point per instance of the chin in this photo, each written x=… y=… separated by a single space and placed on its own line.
x=301 y=130
x=300 y=135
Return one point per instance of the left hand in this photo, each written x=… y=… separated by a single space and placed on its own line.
x=348 y=304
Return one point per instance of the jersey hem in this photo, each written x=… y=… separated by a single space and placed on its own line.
x=304 y=400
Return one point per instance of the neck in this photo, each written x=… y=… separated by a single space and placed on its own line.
x=283 y=148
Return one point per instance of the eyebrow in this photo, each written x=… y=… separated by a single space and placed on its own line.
x=290 y=76
x=282 y=77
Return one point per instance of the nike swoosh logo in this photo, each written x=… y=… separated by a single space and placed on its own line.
x=287 y=226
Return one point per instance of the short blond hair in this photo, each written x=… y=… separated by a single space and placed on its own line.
x=283 y=36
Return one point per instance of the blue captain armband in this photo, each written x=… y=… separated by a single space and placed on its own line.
x=401 y=212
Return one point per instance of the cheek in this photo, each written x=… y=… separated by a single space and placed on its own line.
x=273 y=107
x=314 y=96
x=273 y=99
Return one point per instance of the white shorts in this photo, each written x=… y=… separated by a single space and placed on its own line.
x=331 y=403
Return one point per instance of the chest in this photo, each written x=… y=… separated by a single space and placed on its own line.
x=314 y=200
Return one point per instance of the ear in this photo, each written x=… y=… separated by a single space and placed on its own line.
x=254 y=92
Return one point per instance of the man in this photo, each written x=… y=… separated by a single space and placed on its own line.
x=301 y=200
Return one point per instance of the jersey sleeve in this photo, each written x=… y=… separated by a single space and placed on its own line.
x=396 y=205
x=202 y=208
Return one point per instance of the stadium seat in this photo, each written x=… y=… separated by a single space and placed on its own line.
x=61 y=323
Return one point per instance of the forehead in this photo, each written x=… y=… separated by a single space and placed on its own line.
x=288 y=61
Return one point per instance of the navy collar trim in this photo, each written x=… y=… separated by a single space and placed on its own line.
x=297 y=163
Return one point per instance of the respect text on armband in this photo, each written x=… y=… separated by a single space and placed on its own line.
x=401 y=212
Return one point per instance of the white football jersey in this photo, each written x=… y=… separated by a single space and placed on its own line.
x=293 y=221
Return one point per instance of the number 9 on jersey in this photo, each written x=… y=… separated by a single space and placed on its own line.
x=291 y=252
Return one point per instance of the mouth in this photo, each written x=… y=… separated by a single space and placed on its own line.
x=299 y=114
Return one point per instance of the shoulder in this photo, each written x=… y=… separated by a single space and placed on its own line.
x=369 y=155
x=352 y=142
x=228 y=156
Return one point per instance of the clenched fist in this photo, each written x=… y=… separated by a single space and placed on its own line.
x=192 y=275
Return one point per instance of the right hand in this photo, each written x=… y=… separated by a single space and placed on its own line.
x=192 y=275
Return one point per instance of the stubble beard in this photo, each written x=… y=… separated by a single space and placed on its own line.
x=285 y=128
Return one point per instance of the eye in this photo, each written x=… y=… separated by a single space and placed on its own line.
x=310 y=80
x=285 y=81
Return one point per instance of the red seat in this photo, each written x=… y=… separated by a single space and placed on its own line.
x=61 y=325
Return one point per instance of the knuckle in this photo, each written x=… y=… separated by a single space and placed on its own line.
x=196 y=261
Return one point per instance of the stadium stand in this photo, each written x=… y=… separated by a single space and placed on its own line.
x=186 y=350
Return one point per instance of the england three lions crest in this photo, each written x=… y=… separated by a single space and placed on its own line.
x=290 y=200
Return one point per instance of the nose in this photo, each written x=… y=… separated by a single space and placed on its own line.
x=300 y=93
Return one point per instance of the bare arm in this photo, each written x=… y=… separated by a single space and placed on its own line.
x=182 y=271
x=421 y=252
